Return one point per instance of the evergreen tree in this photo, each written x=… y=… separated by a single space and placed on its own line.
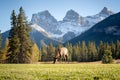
x=50 y=52
x=90 y=55
x=19 y=39
x=5 y=51
x=0 y=47
x=117 y=50
x=100 y=50
x=24 y=38
x=107 y=57
x=35 y=53
x=70 y=51
x=78 y=47
x=84 y=51
x=113 y=48
x=43 y=54
x=74 y=54
x=0 y=40
x=95 y=53
x=107 y=46
x=14 y=44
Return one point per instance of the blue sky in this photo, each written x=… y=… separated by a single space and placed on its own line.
x=57 y=8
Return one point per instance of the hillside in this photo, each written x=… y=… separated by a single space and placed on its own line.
x=107 y=30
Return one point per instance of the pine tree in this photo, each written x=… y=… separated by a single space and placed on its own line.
x=5 y=51
x=100 y=50
x=0 y=46
x=90 y=55
x=74 y=54
x=70 y=51
x=14 y=44
x=84 y=51
x=43 y=54
x=19 y=39
x=0 y=40
x=50 y=52
x=35 y=53
x=24 y=38
x=95 y=53
x=117 y=50
x=113 y=48
x=107 y=46
x=107 y=57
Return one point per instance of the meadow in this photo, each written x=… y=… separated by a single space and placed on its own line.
x=80 y=71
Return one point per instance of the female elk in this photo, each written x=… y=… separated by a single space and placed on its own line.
x=61 y=53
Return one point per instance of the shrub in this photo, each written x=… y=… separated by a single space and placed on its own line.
x=107 y=57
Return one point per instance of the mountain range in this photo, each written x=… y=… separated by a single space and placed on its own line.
x=46 y=29
x=107 y=30
x=72 y=24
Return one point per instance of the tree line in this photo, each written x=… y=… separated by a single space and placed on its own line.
x=83 y=52
x=19 y=48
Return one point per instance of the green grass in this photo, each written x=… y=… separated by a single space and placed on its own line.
x=59 y=72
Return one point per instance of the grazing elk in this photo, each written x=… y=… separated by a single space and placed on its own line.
x=61 y=53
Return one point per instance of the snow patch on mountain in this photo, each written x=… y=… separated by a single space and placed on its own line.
x=104 y=13
x=46 y=21
x=35 y=28
x=71 y=23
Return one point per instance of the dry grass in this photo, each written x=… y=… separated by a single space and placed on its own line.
x=71 y=71
x=95 y=62
x=59 y=71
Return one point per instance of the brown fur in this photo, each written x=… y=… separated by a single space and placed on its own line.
x=61 y=53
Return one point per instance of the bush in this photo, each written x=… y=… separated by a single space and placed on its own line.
x=107 y=57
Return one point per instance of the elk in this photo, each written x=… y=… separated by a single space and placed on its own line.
x=61 y=53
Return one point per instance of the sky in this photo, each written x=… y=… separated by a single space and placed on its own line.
x=57 y=8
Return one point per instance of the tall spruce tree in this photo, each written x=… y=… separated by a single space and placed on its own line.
x=0 y=46
x=75 y=53
x=35 y=53
x=24 y=38
x=100 y=50
x=84 y=51
x=0 y=40
x=19 y=39
x=14 y=44
x=92 y=51
x=107 y=57
x=70 y=51
x=43 y=54
x=113 y=48
x=50 y=52
x=117 y=50
x=5 y=51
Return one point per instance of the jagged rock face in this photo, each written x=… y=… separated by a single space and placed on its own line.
x=74 y=17
x=71 y=16
x=46 y=21
x=106 y=30
x=106 y=11
x=72 y=22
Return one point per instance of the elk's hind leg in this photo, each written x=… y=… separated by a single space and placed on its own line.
x=66 y=59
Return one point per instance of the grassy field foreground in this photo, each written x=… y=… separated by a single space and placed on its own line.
x=59 y=72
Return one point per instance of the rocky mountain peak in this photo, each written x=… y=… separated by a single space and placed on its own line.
x=45 y=20
x=71 y=15
x=74 y=18
x=45 y=13
x=106 y=11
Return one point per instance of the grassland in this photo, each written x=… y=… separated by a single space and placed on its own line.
x=59 y=71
